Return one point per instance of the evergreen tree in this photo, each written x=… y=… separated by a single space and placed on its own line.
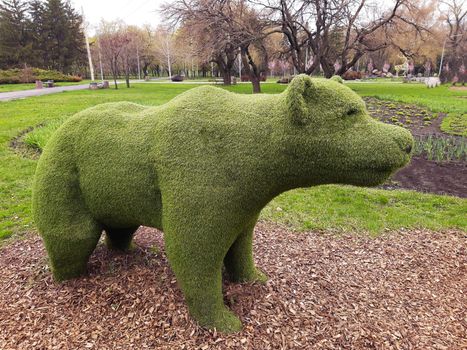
x=15 y=46
x=76 y=43
x=36 y=12
x=41 y=33
x=62 y=29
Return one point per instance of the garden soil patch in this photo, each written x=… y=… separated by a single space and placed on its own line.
x=420 y=121
x=435 y=177
x=403 y=290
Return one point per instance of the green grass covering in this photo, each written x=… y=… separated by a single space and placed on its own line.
x=455 y=123
x=201 y=168
x=330 y=207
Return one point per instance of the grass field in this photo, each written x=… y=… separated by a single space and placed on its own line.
x=326 y=207
x=440 y=99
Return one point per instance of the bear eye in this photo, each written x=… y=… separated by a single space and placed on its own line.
x=352 y=111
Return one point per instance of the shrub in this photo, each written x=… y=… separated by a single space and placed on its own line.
x=284 y=80
x=352 y=75
x=37 y=138
x=177 y=78
x=30 y=75
x=246 y=77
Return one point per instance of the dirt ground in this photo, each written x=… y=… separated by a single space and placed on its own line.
x=458 y=88
x=404 y=290
x=429 y=176
x=419 y=120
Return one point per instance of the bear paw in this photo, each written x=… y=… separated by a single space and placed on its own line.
x=226 y=322
x=254 y=276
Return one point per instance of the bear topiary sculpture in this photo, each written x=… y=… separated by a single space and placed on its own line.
x=201 y=167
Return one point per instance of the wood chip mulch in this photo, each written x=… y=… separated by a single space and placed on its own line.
x=402 y=290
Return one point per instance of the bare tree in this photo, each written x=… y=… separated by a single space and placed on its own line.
x=336 y=32
x=147 y=52
x=454 y=13
x=165 y=47
x=113 y=41
x=252 y=35
x=132 y=41
x=203 y=19
x=223 y=29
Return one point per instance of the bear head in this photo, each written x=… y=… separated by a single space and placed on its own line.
x=333 y=139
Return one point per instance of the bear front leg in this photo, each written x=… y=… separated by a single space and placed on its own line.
x=197 y=234
x=197 y=264
x=239 y=261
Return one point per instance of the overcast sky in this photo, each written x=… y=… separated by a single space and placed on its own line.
x=136 y=12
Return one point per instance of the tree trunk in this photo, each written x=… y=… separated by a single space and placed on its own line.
x=328 y=69
x=114 y=73
x=227 y=76
x=225 y=71
x=255 y=82
x=169 y=66
x=313 y=67
x=127 y=75
x=145 y=70
x=251 y=69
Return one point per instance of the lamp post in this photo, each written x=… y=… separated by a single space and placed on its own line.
x=88 y=49
x=442 y=53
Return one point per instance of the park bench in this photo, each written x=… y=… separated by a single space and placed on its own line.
x=221 y=80
x=48 y=84
x=102 y=85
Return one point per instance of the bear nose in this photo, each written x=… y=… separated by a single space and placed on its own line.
x=408 y=148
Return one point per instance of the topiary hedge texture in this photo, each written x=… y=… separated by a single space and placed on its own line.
x=201 y=167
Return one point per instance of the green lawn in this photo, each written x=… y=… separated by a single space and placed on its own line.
x=19 y=87
x=346 y=208
x=326 y=207
x=440 y=99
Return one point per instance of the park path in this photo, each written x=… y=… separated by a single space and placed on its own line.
x=14 y=95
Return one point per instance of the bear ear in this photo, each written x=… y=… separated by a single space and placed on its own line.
x=337 y=78
x=300 y=90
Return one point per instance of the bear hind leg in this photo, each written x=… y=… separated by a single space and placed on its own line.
x=69 y=253
x=239 y=262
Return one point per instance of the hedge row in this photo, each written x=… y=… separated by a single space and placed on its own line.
x=30 y=75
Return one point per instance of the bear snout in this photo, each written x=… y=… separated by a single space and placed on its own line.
x=403 y=139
